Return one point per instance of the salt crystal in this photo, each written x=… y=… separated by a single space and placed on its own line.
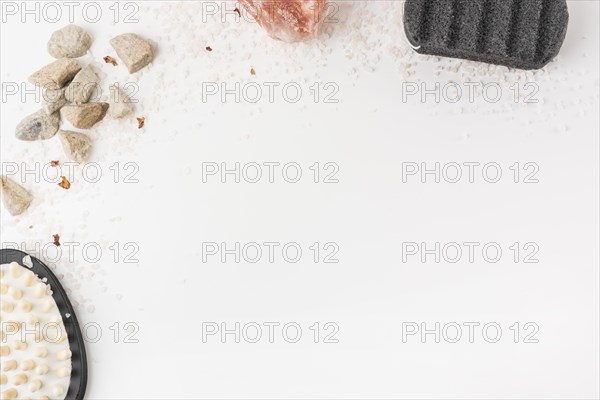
x=288 y=20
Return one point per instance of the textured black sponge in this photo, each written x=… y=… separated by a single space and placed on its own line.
x=525 y=34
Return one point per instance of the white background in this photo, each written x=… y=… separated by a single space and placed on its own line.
x=369 y=134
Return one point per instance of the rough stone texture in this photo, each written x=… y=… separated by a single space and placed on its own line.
x=38 y=126
x=84 y=116
x=288 y=20
x=71 y=41
x=56 y=75
x=83 y=85
x=76 y=145
x=120 y=104
x=16 y=198
x=53 y=100
x=135 y=51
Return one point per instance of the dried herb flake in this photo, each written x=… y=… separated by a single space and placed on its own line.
x=64 y=183
x=110 y=60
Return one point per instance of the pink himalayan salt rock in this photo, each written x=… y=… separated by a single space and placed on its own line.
x=288 y=20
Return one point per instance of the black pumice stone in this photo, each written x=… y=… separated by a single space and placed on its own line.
x=523 y=34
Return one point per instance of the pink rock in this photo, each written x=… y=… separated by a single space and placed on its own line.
x=288 y=20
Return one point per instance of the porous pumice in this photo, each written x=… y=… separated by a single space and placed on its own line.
x=34 y=353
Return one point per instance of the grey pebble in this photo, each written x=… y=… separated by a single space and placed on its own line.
x=38 y=126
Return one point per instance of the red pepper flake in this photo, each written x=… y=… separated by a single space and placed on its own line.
x=64 y=183
x=141 y=121
x=56 y=239
x=252 y=71
x=239 y=13
x=208 y=48
x=54 y=163
x=110 y=60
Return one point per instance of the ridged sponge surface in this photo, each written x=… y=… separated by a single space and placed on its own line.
x=524 y=34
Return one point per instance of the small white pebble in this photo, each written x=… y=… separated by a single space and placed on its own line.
x=20 y=379
x=4 y=351
x=64 y=355
x=40 y=289
x=9 y=394
x=42 y=369
x=15 y=292
x=3 y=289
x=63 y=372
x=35 y=385
x=15 y=269
x=48 y=305
x=3 y=379
x=39 y=336
x=29 y=278
x=20 y=345
x=25 y=306
x=28 y=365
x=32 y=320
x=9 y=365
x=7 y=307
x=11 y=327
x=41 y=352
x=27 y=261
x=57 y=390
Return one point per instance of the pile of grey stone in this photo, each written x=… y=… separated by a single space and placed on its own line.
x=67 y=90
